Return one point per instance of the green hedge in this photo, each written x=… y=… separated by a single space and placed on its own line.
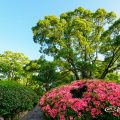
x=15 y=98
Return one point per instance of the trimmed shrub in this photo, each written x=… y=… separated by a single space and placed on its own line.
x=15 y=98
x=83 y=100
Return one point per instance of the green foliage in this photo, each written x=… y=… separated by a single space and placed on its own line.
x=110 y=47
x=11 y=65
x=113 y=77
x=38 y=89
x=44 y=74
x=76 y=38
x=15 y=98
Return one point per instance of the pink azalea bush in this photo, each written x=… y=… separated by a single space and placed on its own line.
x=82 y=100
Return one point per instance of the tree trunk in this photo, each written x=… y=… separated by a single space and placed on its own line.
x=73 y=67
x=107 y=68
x=104 y=73
x=84 y=69
x=84 y=73
x=76 y=75
x=91 y=75
x=75 y=71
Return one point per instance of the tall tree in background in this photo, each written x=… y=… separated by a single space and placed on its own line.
x=11 y=65
x=74 y=39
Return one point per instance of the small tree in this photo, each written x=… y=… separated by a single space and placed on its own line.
x=11 y=65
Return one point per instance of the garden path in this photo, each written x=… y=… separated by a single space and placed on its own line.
x=36 y=114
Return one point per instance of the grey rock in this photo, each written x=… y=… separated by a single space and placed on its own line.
x=36 y=114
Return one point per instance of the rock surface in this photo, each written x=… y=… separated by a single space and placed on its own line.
x=1 y=118
x=36 y=114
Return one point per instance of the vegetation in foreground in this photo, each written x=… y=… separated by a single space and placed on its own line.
x=15 y=98
x=82 y=100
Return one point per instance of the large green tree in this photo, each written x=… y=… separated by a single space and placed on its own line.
x=74 y=39
x=11 y=65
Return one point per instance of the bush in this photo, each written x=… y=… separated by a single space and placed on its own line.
x=15 y=98
x=82 y=100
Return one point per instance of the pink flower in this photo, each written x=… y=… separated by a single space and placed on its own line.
x=47 y=107
x=42 y=101
x=113 y=103
x=52 y=112
x=93 y=111
x=87 y=109
x=71 y=117
x=62 y=117
x=79 y=114
x=99 y=94
x=96 y=103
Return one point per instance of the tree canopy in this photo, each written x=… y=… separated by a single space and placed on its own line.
x=77 y=38
x=11 y=64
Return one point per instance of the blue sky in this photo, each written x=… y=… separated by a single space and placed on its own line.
x=17 y=17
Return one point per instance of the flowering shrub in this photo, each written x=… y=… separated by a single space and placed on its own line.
x=82 y=100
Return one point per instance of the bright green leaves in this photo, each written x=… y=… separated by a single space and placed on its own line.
x=101 y=17
x=83 y=13
x=53 y=20
x=11 y=64
x=80 y=11
x=74 y=37
x=48 y=32
x=110 y=17
x=81 y=24
x=100 y=13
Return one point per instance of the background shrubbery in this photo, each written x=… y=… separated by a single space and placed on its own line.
x=15 y=98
